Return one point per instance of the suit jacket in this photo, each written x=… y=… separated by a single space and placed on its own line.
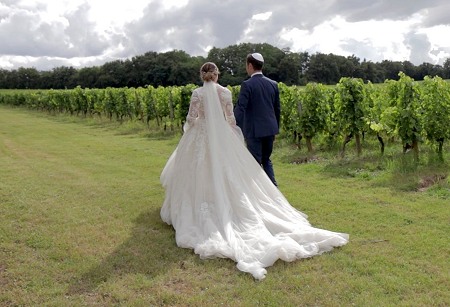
x=257 y=110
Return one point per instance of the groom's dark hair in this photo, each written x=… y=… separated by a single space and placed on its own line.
x=257 y=65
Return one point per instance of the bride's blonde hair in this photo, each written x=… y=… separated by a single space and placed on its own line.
x=208 y=71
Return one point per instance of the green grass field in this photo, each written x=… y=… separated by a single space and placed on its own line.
x=80 y=225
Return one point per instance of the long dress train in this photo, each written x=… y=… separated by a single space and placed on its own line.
x=220 y=201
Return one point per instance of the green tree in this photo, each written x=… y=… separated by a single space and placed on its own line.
x=87 y=77
x=231 y=61
x=112 y=74
x=63 y=77
x=391 y=69
x=371 y=72
x=292 y=67
x=427 y=69
x=27 y=78
x=446 y=69
x=322 y=69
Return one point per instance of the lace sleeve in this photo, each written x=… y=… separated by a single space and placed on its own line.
x=227 y=108
x=193 y=111
x=227 y=105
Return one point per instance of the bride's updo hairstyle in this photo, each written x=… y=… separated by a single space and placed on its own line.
x=209 y=71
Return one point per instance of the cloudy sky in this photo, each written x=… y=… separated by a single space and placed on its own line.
x=50 y=33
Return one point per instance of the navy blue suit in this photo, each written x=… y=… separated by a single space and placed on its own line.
x=257 y=113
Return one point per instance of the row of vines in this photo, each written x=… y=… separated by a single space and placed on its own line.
x=410 y=111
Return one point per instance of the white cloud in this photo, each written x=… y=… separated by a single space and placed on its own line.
x=382 y=39
x=262 y=16
x=110 y=16
x=438 y=35
x=174 y=4
x=439 y=42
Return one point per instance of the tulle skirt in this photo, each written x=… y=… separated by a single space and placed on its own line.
x=221 y=203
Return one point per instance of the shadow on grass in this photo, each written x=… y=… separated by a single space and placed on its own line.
x=150 y=130
x=151 y=250
x=160 y=135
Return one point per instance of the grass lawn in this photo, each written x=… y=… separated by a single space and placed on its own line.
x=80 y=225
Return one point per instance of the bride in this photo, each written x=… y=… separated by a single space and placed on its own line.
x=220 y=201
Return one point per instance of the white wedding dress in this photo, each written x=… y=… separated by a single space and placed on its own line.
x=221 y=202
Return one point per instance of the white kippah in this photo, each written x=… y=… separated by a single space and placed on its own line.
x=258 y=57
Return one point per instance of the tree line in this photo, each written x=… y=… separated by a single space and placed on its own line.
x=177 y=68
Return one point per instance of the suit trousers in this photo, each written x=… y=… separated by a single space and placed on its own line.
x=261 y=149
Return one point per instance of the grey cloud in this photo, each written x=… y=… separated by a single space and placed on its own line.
x=14 y=4
x=364 y=50
x=420 y=47
x=225 y=21
x=438 y=16
x=201 y=23
x=81 y=33
x=8 y=2
x=222 y=23
x=45 y=63
x=356 y=10
x=16 y=35
x=24 y=33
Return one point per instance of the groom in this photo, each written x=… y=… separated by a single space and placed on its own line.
x=257 y=113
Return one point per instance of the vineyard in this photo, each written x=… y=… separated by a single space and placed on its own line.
x=412 y=112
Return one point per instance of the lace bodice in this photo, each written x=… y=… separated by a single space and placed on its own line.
x=196 y=107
